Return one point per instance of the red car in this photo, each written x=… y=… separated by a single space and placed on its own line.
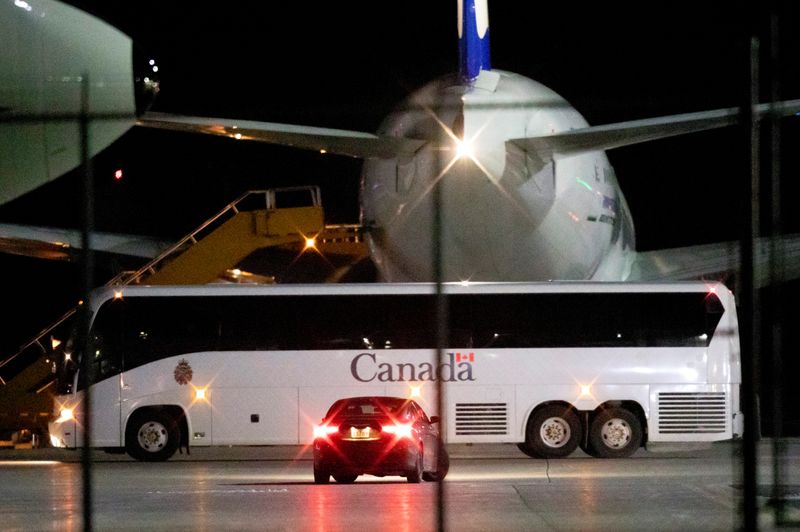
x=378 y=436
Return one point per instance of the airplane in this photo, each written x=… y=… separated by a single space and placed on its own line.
x=523 y=183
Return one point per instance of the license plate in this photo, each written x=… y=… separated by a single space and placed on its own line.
x=365 y=433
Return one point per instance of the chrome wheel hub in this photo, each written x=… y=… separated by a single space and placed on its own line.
x=555 y=432
x=152 y=436
x=616 y=433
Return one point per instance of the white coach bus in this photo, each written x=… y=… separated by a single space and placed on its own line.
x=552 y=366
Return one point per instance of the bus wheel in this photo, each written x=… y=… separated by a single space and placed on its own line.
x=553 y=432
x=152 y=436
x=615 y=433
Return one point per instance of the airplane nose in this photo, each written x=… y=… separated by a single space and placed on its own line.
x=146 y=79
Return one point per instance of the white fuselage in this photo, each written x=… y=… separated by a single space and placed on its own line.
x=55 y=63
x=506 y=214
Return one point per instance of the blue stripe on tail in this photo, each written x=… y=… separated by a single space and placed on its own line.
x=473 y=38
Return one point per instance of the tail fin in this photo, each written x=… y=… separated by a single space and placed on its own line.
x=473 y=38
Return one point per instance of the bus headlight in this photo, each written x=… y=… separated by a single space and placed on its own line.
x=66 y=414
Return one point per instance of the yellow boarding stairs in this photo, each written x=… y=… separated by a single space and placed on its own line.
x=254 y=221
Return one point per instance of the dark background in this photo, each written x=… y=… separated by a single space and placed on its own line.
x=346 y=64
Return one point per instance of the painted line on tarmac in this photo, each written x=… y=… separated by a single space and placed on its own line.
x=219 y=492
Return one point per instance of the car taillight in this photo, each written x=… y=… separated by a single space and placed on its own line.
x=400 y=431
x=322 y=431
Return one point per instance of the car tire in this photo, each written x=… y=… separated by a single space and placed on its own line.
x=321 y=476
x=442 y=466
x=615 y=433
x=345 y=479
x=553 y=431
x=415 y=475
x=152 y=436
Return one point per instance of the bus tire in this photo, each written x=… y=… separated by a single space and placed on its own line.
x=152 y=436
x=553 y=431
x=615 y=433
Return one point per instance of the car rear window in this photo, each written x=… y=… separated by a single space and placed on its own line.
x=369 y=407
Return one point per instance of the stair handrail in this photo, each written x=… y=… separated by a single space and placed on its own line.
x=270 y=202
x=149 y=267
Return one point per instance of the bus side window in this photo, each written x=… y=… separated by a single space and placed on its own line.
x=106 y=361
x=157 y=328
x=461 y=338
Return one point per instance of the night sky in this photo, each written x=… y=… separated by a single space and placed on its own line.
x=346 y=64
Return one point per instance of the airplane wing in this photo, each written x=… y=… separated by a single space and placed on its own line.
x=325 y=140
x=608 y=136
x=718 y=261
x=61 y=244
x=711 y=261
x=367 y=145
